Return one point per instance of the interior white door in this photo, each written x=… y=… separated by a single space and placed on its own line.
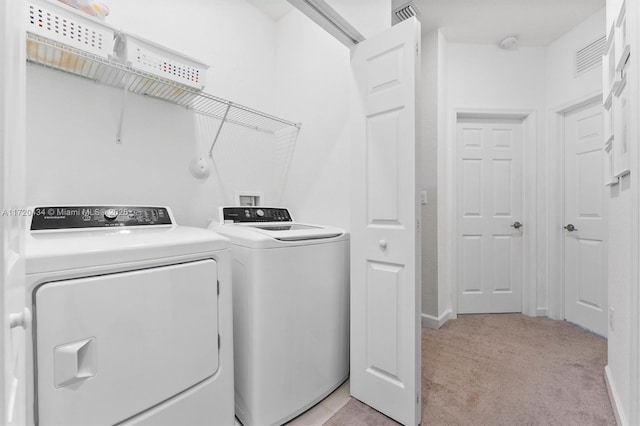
x=385 y=225
x=585 y=245
x=14 y=318
x=490 y=229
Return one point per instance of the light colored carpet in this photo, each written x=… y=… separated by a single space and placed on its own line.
x=505 y=369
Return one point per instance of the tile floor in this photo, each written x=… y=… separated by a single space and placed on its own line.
x=323 y=411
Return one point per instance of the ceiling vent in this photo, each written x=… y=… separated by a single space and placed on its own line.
x=590 y=56
x=406 y=11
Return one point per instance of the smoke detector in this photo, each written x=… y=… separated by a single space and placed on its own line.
x=406 y=11
x=508 y=42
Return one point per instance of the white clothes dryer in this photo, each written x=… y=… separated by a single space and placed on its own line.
x=132 y=320
x=291 y=312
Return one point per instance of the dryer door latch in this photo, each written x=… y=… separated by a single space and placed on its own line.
x=22 y=319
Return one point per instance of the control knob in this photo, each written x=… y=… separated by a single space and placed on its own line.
x=110 y=214
x=260 y=212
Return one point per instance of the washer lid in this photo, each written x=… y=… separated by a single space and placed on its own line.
x=73 y=249
x=294 y=231
x=277 y=235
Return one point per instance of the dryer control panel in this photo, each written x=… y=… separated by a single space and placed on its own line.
x=75 y=217
x=255 y=214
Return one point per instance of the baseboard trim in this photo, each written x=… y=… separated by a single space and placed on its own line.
x=614 y=398
x=541 y=312
x=429 y=321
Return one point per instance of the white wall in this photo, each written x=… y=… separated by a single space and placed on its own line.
x=430 y=84
x=624 y=354
x=435 y=294
x=313 y=85
x=562 y=84
x=72 y=155
x=444 y=244
x=485 y=76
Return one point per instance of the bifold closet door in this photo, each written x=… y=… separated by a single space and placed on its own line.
x=385 y=233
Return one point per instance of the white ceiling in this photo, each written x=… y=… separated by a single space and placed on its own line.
x=275 y=9
x=535 y=22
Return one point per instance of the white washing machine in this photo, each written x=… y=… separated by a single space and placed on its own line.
x=132 y=320
x=291 y=312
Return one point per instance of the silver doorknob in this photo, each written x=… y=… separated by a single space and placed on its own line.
x=516 y=225
x=570 y=228
x=382 y=244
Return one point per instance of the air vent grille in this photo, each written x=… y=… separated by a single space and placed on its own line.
x=590 y=56
x=406 y=11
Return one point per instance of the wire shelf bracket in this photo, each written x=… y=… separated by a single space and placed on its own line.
x=215 y=139
x=125 y=96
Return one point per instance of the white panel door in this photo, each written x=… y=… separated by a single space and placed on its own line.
x=12 y=183
x=489 y=199
x=585 y=254
x=385 y=225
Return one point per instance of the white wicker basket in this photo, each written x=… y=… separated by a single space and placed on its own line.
x=158 y=60
x=61 y=23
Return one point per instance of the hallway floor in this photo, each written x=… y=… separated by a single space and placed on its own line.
x=505 y=369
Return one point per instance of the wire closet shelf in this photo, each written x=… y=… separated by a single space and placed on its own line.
x=59 y=56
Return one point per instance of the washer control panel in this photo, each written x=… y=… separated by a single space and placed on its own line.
x=57 y=217
x=255 y=214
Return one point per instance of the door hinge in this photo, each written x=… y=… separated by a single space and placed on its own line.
x=218 y=283
x=417 y=50
x=218 y=341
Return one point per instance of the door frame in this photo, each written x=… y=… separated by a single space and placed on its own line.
x=447 y=216
x=12 y=196
x=555 y=200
